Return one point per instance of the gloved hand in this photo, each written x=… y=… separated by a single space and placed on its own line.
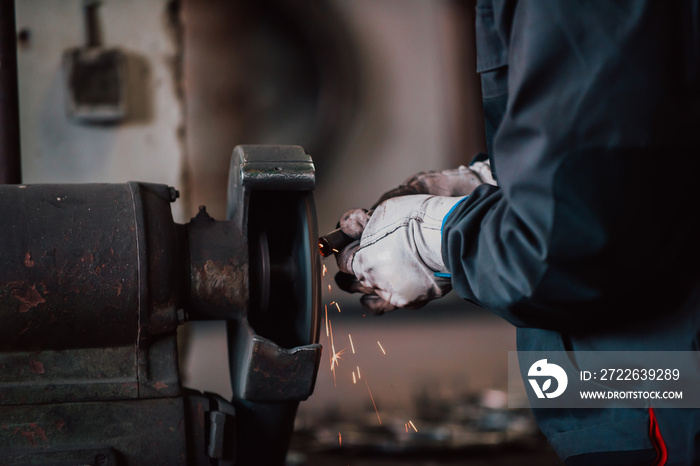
x=395 y=261
x=459 y=181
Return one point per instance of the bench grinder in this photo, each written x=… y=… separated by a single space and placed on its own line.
x=96 y=278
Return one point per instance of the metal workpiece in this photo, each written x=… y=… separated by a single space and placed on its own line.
x=96 y=278
x=333 y=242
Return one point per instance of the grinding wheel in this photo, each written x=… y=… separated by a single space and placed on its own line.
x=284 y=269
x=274 y=353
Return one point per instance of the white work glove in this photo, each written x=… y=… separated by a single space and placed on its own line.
x=396 y=260
x=459 y=181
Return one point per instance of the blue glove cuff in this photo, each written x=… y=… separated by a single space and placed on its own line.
x=449 y=212
x=442 y=227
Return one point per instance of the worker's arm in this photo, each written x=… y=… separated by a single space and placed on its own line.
x=596 y=157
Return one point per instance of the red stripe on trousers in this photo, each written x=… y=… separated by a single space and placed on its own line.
x=657 y=440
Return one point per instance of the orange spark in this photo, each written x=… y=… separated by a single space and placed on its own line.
x=325 y=270
x=337 y=305
x=334 y=362
x=340 y=439
x=358 y=372
x=381 y=347
x=326 y=307
x=412 y=425
x=351 y=345
x=330 y=340
x=373 y=403
x=330 y=360
x=353 y=378
x=334 y=356
x=329 y=288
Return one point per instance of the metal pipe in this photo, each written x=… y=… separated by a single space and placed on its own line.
x=10 y=165
x=333 y=242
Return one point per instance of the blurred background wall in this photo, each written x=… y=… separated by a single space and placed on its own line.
x=148 y=145
x=374 y=90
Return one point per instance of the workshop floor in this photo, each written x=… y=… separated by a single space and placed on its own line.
x=510 y=457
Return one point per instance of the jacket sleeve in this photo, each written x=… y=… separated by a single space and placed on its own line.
x=596 y=156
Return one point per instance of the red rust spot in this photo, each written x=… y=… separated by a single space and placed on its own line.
x=29 y=435
x=159 y=385
x=37 y=367
x=217 y=282
x=28 y=296
x=28 y=261
x=33 y=435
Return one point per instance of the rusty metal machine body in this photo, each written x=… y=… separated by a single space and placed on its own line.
x=95 y=280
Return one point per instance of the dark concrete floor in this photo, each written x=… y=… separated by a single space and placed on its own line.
x=544 y=457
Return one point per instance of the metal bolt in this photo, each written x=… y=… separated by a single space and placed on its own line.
x=203 y=212
x=174 y=194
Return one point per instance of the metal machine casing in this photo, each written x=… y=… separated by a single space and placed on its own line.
x=96 y=278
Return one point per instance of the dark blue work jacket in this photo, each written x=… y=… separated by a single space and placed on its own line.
x=590 y=242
